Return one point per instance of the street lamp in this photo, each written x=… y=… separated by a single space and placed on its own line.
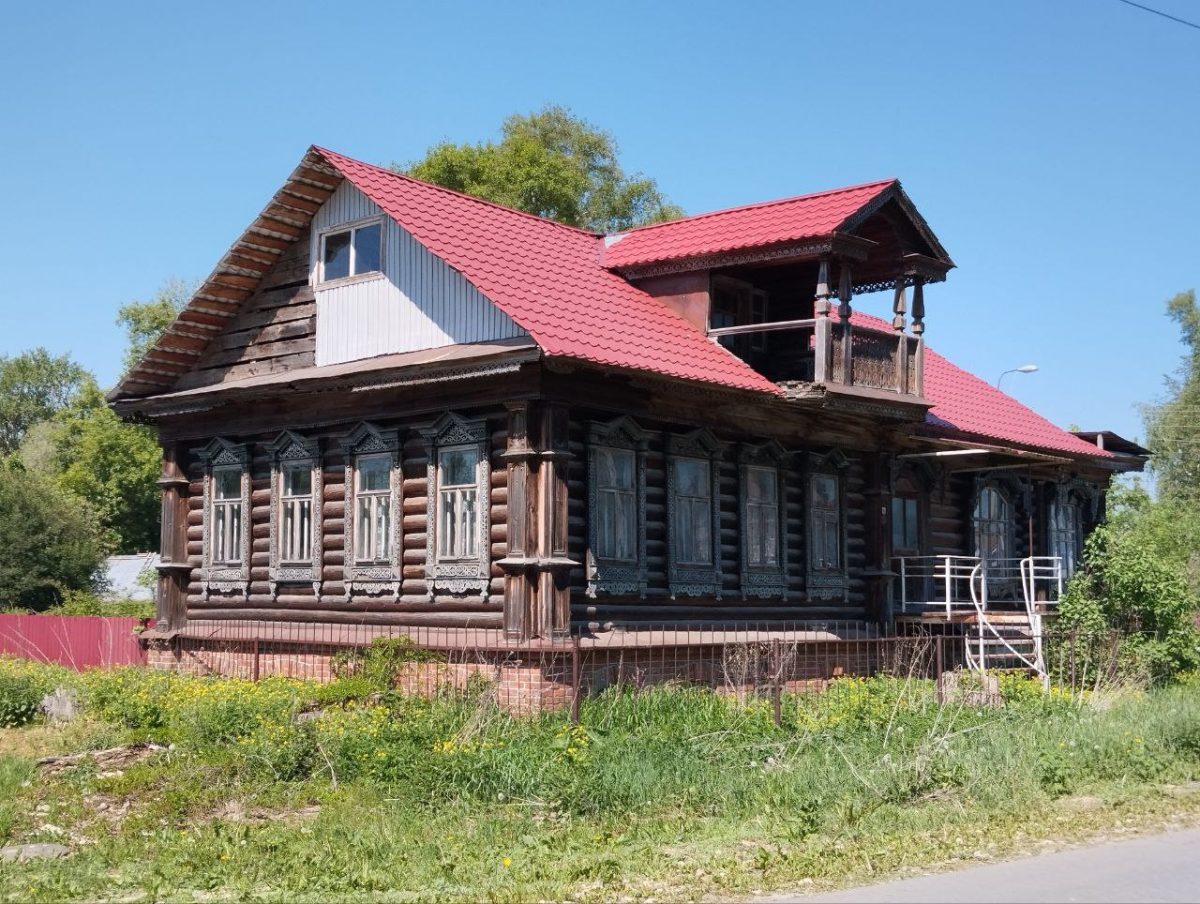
x=1023 y=369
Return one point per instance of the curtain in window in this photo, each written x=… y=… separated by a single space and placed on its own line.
x=458 y=503
x=226 y=538
x=1065 y=535
x=296 y=506
x=992 y=526
x=692 y=528
x=373 y=504
x=762 y=517
x=826 y=523
x=616 y=505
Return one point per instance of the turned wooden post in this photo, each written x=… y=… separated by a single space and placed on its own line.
x=174 y=568
x=844 y=293
x=917 y=386
x=900 y=309
x=822 y=335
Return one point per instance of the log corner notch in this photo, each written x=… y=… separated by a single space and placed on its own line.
x=537 y=595
x=174 y=568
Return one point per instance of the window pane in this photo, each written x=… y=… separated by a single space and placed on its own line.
x=297 y=480
x=761 y=485
x=458 y=467
x=374 y=473
x=366 y=248
x=337 y=255
x=227 y=483
x=700 y=552
x=626 y=526
x=825 y=492
x=691 y=477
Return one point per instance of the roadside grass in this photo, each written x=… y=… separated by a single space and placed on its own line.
x=286 y=791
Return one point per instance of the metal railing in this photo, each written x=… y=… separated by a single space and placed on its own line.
x=945 y=582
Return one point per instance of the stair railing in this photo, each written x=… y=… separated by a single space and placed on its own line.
x=985 y=627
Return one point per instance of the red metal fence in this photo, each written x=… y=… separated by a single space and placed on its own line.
x=76 y=641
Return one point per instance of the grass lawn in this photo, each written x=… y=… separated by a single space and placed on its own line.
x=289 y=791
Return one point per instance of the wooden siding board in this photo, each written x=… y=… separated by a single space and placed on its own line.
x=418 y=302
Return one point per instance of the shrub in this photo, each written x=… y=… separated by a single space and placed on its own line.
x=130 y=696
x=19 y=699
x=83 y=602
x=379 y=663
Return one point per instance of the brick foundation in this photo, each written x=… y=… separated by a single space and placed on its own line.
x=531 y=681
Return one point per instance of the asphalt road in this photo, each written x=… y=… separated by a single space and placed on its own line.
x=1155 y=868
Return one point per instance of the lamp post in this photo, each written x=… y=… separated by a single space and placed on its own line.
x=1023 y=369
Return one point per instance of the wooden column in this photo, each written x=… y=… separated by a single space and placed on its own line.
x=174 y=569
x=823 y=338
x=537 y=568
x=917 y=386
x=522 y=539
x=877 y=502
x=554 y=564
x=844 y=293
x=899 y=322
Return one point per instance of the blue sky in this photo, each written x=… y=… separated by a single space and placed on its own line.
x=1051 y=145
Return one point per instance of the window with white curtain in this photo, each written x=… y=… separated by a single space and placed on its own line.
x=691 y=532
x=458 y=502
x=295 y=513
x=1066 y=534
x=762 y=517
x=616 y=505
x=825 y=522
x=225 y=535
x=992 y=523
x=373 y=508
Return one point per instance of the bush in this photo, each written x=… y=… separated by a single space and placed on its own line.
x=50 y=541
x=19 y=700
x=1128 y=586
x=84 y=602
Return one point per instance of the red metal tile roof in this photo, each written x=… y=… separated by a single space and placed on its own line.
x=753 y=226
x=548 y=278
x=965 y=404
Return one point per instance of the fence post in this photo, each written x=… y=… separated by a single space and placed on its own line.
x=777 y=682
x=939 y=667
x=575 y=670
x=1074 y=634
x=254 y=666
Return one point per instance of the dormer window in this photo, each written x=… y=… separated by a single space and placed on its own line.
x=352 y=251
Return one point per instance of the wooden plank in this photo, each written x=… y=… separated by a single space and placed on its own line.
x=259 y=337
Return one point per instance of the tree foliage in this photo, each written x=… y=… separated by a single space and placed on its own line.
x=145 y=321
x=552 y=164
x=1173 y=427
x=50 y=540
x=34 y=385
x=115 y=466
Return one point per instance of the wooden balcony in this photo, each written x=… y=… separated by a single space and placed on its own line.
x=833 y=353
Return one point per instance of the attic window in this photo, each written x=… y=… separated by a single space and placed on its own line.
x=352 y=252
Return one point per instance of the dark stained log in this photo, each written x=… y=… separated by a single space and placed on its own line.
x=173 y=572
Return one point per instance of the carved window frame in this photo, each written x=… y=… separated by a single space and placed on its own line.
x=458 y=576
x=686 y=579
x=289 y=449
x=372 y=578
x=764 y=581
x=218 y=577
x=614 y=575
x=826 y=583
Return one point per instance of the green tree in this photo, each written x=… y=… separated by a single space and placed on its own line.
x=113 y=465
x=33 y=386
x=50 y=540
x=145 y=321
x=552 y=164
x=1173 y=427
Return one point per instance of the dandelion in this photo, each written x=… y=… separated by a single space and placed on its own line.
x=506 y=862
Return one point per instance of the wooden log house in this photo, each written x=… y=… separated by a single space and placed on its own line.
x=392 y=404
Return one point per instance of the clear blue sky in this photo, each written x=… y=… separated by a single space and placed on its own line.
x=1052 y=146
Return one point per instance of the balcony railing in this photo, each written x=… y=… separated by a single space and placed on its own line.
x=833 y=352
